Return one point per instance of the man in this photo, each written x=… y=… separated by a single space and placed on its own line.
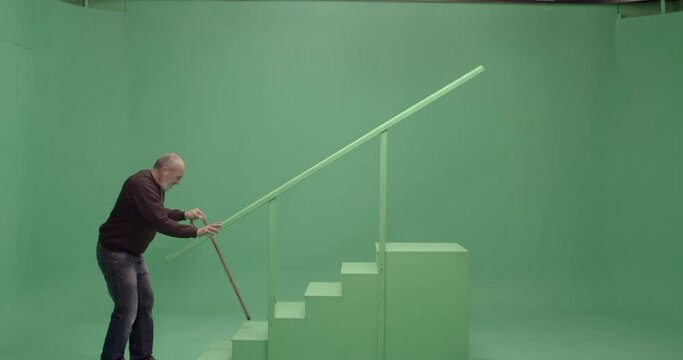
x=138 y=215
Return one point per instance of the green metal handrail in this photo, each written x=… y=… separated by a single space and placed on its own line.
x=271 y=199
x=319 y=166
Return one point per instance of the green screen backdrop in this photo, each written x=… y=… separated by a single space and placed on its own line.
x=558 y=168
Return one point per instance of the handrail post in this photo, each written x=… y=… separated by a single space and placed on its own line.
x=381 y=266
x=272 y=212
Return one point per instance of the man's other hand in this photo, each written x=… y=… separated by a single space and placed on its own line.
x=209 y=229
x=194 y=214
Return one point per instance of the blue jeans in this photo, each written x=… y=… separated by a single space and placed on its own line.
x=130 y=288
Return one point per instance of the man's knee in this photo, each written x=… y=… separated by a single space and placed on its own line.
x=146 y=300
x=125 y=311
x=145 y=292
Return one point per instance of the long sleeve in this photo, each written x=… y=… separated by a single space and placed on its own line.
x=175 y=214
x=138 y=214
x=149 y=203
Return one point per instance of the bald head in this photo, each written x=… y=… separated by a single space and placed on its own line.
x=168 y=170
x=170 y=160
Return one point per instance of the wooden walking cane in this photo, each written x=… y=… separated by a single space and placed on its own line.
x=227 y=271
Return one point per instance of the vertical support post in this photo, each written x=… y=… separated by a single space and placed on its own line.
x=381 y=264
x=272 y=219
x=662 y=4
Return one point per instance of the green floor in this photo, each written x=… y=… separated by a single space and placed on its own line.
x=573 y=336
x=515 y=337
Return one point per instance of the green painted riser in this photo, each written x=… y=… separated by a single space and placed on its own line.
x=288 y=329
x=251 y=341
x=427 y=314
x=426 y=311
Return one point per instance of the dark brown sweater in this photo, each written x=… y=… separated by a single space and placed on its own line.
x=139 y=214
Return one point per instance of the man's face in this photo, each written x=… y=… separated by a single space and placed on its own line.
x=171 y=177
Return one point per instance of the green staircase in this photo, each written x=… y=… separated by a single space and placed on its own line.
x=409 y=304
x=426 y=313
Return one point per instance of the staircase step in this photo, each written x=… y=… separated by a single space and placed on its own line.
x=290 y=310
x=252 y=331
x=288 y=335
x=251 y=341
x=324 y=289
x=359 y=280
x=221 y=350
x=322 y=298
x=359 y=268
